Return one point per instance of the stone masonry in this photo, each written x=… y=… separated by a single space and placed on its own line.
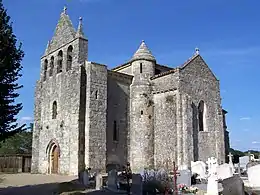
x=142 y=112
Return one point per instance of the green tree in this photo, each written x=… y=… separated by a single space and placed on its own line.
x=20 y=143
x=10 y=66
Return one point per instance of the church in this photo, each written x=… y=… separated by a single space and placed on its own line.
x=141 y=112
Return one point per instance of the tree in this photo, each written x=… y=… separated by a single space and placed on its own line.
x=20 y=143
x=10 y=67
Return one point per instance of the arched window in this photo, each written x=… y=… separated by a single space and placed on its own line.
x=96 y=94
x=69 y=58
x=51 y=66
x=202 y=116
x=115 y=133
x=141 y=67
x=59 y=62
x=45 y=67
x=54 y=110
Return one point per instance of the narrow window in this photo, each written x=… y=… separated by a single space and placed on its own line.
x=54 y=110
x=201 y=116
x=142 y=112
x=96 y=94
x=45 y=69
x=115 y=134
x=69 y=58
x=141 y=67
x=59 y=62
x=51 y=66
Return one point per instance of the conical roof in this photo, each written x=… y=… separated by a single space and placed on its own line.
x=143 y=52
x=80 y=32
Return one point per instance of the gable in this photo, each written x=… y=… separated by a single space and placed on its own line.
x=198 y=68
x=64 y=33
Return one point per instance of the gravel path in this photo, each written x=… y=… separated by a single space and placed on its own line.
x=29 y=184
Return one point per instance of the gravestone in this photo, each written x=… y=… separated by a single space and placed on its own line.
x=224 y=171
x=231 y=163
x=233 y=186
x=199 y=167
x=184 y=177
x=99 y=181
x=85 y=178
x=137 y=184
x=212 y=186
x=254 y=176
x=112 y=180
x=243 y=161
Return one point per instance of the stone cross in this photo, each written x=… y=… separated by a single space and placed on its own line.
x=212 y=166
x=230 y=157
x=64 y=9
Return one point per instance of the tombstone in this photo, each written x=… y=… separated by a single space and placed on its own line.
x=199 y=167
x=184 y=177
x=85 y=178
x=253 y=176
x=231 y=162
x=112 y=180
x=212 y=186
x=238 y=169
x=212 y=165
x=251 y=164
x=233 y=186
x=224 y=171
x=137 y=184
x=99 y=181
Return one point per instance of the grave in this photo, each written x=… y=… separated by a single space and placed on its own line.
x=99 y=181
x=243 y=161
x=254 y=176
x=224 y=171
x=199 y=167
x=137 y=185
x=212 y=186
x=112 y=180
x=233 y=186
x=184 y=177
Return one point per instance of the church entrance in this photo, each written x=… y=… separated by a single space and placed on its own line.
x=53 y=153
x=55 y=159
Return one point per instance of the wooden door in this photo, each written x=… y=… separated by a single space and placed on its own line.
x=55 y=160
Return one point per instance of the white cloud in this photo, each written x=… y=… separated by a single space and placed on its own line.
x=255 y=142
x=26 y=119
x=244 y=118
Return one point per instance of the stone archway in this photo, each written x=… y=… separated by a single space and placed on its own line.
x=53 y=154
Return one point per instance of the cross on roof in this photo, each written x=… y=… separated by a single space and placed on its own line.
x=64 y=9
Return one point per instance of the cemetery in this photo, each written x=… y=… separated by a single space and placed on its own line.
x=209 y=178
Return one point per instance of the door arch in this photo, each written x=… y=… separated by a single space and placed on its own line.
x=53 y=154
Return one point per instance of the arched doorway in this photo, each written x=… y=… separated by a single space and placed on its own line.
x=53 y=154
x=55 y=160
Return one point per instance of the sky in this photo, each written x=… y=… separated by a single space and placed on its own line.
x=226 y=32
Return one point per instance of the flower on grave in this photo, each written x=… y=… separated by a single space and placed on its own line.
x=182 y=187
x=193 y=189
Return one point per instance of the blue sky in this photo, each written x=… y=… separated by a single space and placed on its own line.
x=226 y=32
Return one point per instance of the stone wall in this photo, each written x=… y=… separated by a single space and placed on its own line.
x=64 y=88
x=165 y=129
x=165 y=81
x=36 y=128
x=199 y=83
x=96 y=116
x=118 y=105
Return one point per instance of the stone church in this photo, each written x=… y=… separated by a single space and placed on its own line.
x=141 y=112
